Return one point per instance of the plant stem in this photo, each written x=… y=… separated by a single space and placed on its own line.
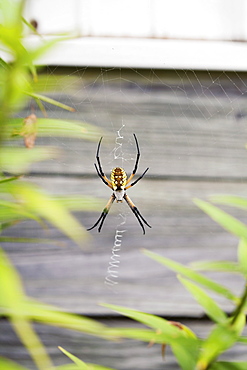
x=239 y=308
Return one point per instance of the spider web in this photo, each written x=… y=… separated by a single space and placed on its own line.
x=191 y=129
x=182 y=120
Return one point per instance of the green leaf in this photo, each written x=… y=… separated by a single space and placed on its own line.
x=145 y=335
x=49 y=100
x=182 y=340
x=242 y=340
x=230 y=200
x=11 y=302
x=222 y=365
x=47 y=127
x=228 y=222
x=221 y=338
x=192 y=275
x=186 y=352
x=6 y=364
x=41 y=204
x=11 y=286
x=10 y=239
x=89 y=365
x=18 y=160
x=169 y=331
x=80 y=203
x=209 y=305
x=12 y=212
x=242 y=256
x=50 y=315
x=226 y=266
x=7 y=179
x=80 y=364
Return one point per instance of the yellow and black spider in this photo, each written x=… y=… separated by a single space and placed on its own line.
x=119 y=184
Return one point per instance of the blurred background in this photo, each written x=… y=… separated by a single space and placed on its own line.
x=173 y=73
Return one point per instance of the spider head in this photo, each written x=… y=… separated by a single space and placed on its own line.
x=118 y=179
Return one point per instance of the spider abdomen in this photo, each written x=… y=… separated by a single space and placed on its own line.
x=118 y=178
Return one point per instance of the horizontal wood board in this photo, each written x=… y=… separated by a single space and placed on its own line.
x=192 y=134
x=75 y=279
x=120 y=355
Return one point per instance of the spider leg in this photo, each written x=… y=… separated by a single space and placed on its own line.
x=136 y=212
x=139 y=178
x=137 y=161
x=103 y=214
x=104 y=179
x=97 y=158
x=99 y=170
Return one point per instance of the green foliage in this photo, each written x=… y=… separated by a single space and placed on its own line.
x=191 y=351
x=21 y=200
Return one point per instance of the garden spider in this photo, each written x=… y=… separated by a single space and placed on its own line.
x=118 y=184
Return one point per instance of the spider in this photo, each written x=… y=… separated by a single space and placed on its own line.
x=119 y=184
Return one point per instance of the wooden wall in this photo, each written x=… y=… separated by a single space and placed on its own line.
x=192 y=135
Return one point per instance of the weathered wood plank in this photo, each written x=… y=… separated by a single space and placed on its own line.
x=187 y=125
x=121 y=355
x=75 y=279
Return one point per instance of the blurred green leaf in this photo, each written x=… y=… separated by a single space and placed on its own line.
x=60 y=128
x=181 y=339
x=80 y=203
x=18 y=160
x=223 y=365
x=242 y=340
x=11 y=301
x=6 y=364
x=222 y=337
x=230 y=200
x=186 y=352
x=12 y=211
x=50 y=315
x=89 y=367
x=192 y=275
x=242 y=256
x=228 y=222
x=80 y=364
x=226 y=266
x=145 y=335
x=209 y=305
x=7 y=179
x=30 y=26
x=169 y=331
x=11 y=287
x=49 y=100
x=10 y=239
x=41 y=204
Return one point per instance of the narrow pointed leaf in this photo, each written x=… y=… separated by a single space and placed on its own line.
x=222 y=337
x=170 y=331
x=210 y=307
x=50 y=315
x=42 y=205
x=227 y=221
x=18 y=160
x=11 y=286
x=50 y=101
x=222 y=365
x=186 y=352
x=80 y=364
x=10 y=365
x=55 y=127
x=242 y=256
x=226 y=266
x=230 y=200
x=192 y=275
